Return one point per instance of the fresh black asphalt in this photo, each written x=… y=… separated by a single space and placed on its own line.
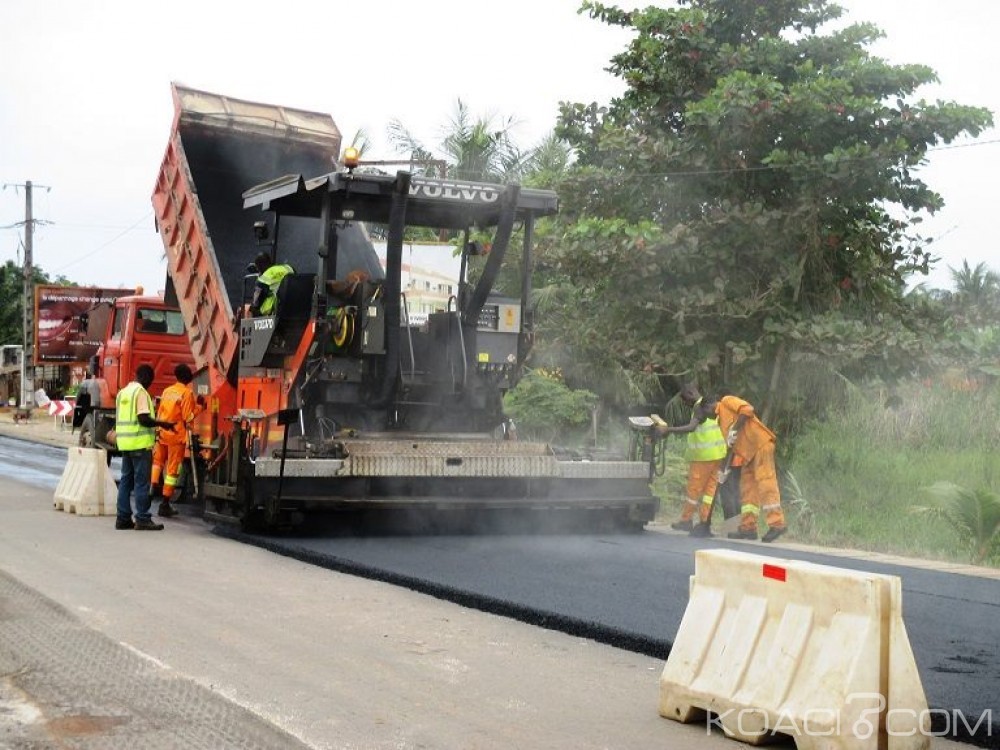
x=630 y=591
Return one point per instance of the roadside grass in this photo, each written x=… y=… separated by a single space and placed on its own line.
x=868 y=467
x=858 y=478
x=671 y=485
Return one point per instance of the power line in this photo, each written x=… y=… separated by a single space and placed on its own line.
x=964 y=145
x=101 y=247
x=65 y=225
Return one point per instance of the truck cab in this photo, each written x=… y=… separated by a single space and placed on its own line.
x=142 y=329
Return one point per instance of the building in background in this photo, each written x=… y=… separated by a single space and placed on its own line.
x=10 y=374
x=429 y=279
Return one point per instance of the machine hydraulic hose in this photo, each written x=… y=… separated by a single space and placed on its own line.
x=393 y=262
x=505 y=227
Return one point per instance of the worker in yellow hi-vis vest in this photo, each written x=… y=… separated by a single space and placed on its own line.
x=135 y=434
x=706 y=451
x=265 y=293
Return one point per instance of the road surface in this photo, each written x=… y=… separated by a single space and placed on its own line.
x=627 y=591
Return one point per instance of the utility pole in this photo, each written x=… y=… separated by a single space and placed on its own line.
x=28 y=353
x=28 y=317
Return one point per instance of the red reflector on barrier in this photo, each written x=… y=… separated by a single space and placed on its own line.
x=774 y=571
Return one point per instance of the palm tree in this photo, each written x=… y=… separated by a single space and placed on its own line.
x=973 y=514
x=977 y=292
x=548 y=161
x=473 y=148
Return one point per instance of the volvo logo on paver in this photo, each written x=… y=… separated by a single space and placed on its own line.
x=263 y=324
x=455 y=191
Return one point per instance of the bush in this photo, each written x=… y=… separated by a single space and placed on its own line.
x=545 y=408
x=863 y=467
x=974 y=516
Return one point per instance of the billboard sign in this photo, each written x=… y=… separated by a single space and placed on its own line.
x=70 y=322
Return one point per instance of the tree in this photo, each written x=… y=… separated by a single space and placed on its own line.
x=547 y=162
x=746 y=210
x=546 y=408
x=12 y=294
x=471 y=148
x=966 y=322
x=974 y=515
x=976 y=298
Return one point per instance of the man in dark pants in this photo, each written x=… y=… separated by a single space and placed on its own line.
x=135 y=434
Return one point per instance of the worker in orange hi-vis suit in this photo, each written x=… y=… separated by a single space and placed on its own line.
x=178 y=406
x=753 y=443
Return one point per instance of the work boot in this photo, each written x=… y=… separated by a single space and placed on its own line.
x=773 y=533
x=150 y=525
x=124 y=523
x=682 y=525
x=743 y=534
x=167 y=509
x=702 y=530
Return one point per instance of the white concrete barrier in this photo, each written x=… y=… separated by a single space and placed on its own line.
x=86 y=486
x=772 y=646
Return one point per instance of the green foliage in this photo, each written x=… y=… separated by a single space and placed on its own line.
x=547 y=162
x=479 y=148
x=12 y=294
x=798 y=510
x=545 y=408
x=863 y=465
x=671 y=485
x=976 y=298
x=974 y=515
x=728 y=216
x=11 y=287
x=472 y=148
x=965 y=324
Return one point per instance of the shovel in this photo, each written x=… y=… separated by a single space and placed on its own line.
x=194 y=468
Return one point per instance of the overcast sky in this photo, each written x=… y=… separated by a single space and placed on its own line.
x=85 y=104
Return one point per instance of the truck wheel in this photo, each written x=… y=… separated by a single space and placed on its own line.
x=253 y=522
x=251 y=518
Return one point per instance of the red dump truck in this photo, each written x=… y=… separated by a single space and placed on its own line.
x=141 y=329
x=335 y=402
